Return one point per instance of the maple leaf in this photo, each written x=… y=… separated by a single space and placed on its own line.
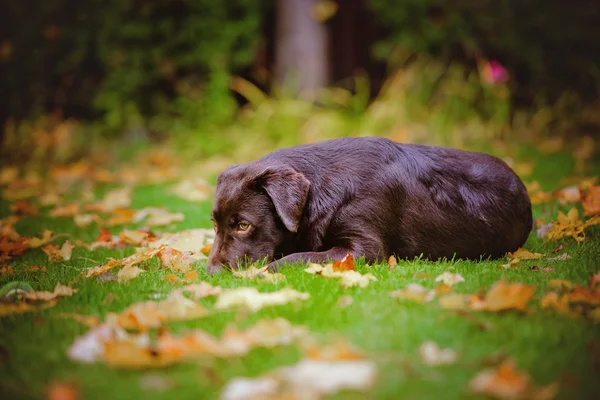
x=570 y=225
x=24 y=207
x=253 y=300
x=263 y=274
x=506 y=382
x=431 y=354
x=504 y=296
x=135 y=237
x=449 y=278
x=59 y=291
x=187 y=241
x=346 y=264
x=35 y=242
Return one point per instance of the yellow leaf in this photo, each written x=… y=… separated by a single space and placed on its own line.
x=20 y=308
x=524 y=254
x=35 y=242
x=59 y=291
x=200 y=290
x=505 y=296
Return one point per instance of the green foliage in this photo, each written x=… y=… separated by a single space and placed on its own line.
x=127 y=60
x=549 y=46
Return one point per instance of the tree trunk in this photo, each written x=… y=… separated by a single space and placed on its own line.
x=301 y=62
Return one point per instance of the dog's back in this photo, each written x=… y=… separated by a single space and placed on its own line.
x=418 y=199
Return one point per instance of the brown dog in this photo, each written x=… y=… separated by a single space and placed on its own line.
x=369 y=197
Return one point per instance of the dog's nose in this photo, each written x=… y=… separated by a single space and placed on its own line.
x=214 y=266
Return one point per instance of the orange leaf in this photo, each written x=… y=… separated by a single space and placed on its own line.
x=346 y=264
x=503 y=296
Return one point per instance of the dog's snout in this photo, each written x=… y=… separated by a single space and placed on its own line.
x=214 y=266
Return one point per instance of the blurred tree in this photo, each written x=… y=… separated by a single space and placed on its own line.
x=301 y=54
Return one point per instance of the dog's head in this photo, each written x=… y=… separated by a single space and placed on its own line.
x=255 y=209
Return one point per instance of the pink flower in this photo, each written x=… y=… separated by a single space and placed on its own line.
x=494 y=73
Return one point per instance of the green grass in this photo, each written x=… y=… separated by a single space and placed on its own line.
x=551 y=347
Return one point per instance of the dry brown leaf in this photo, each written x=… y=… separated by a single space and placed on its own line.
x=570 y=194
x=116 y=198
x=524 y=254
x=157 y=216
x=121 y=216
x=504 y=296
x=250 y=298
x=189 y=278
x=188 y=241
x=506 y=382
x=135 y=237
x=570 y=225
x=59 y=291
x=55 y=253
x=10 y=248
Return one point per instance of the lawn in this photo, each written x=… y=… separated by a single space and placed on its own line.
x=546 y=344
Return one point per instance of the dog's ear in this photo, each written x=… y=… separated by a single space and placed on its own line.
x=288 y=190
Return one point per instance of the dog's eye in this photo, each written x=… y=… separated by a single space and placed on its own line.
x=243 y=226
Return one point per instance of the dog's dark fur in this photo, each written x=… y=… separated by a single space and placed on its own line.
x=369 y=197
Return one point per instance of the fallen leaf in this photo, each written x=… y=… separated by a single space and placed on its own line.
x=432 y=355
x=449 y=278
x=571 y=194
x=504 y=296
x=128 y=272
x=570 y=225
x=347 y=278
x=454 y=301
x=313 y=379
x=192 y=190
x=55 y=253
x=116 y=198
x=392 y=262
x=62 y=391
x=263 y=274
x=24 y=207
x=65 y=211
x=135 y=237
x=152 y=314
x=562 y=257
x=414 y=292
x=200 y=290
x=38 y=242
x=20 y=308
x=188 y=241
x=121 y=216
x=59 y=291
x=175 y=260
x=506 y=382
x=591 y=201
x=346 y=264
x=189 y=277
x=524 y=254
x=253 y=300
x=157 y=216
x=87 y=320
x=10 y=248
